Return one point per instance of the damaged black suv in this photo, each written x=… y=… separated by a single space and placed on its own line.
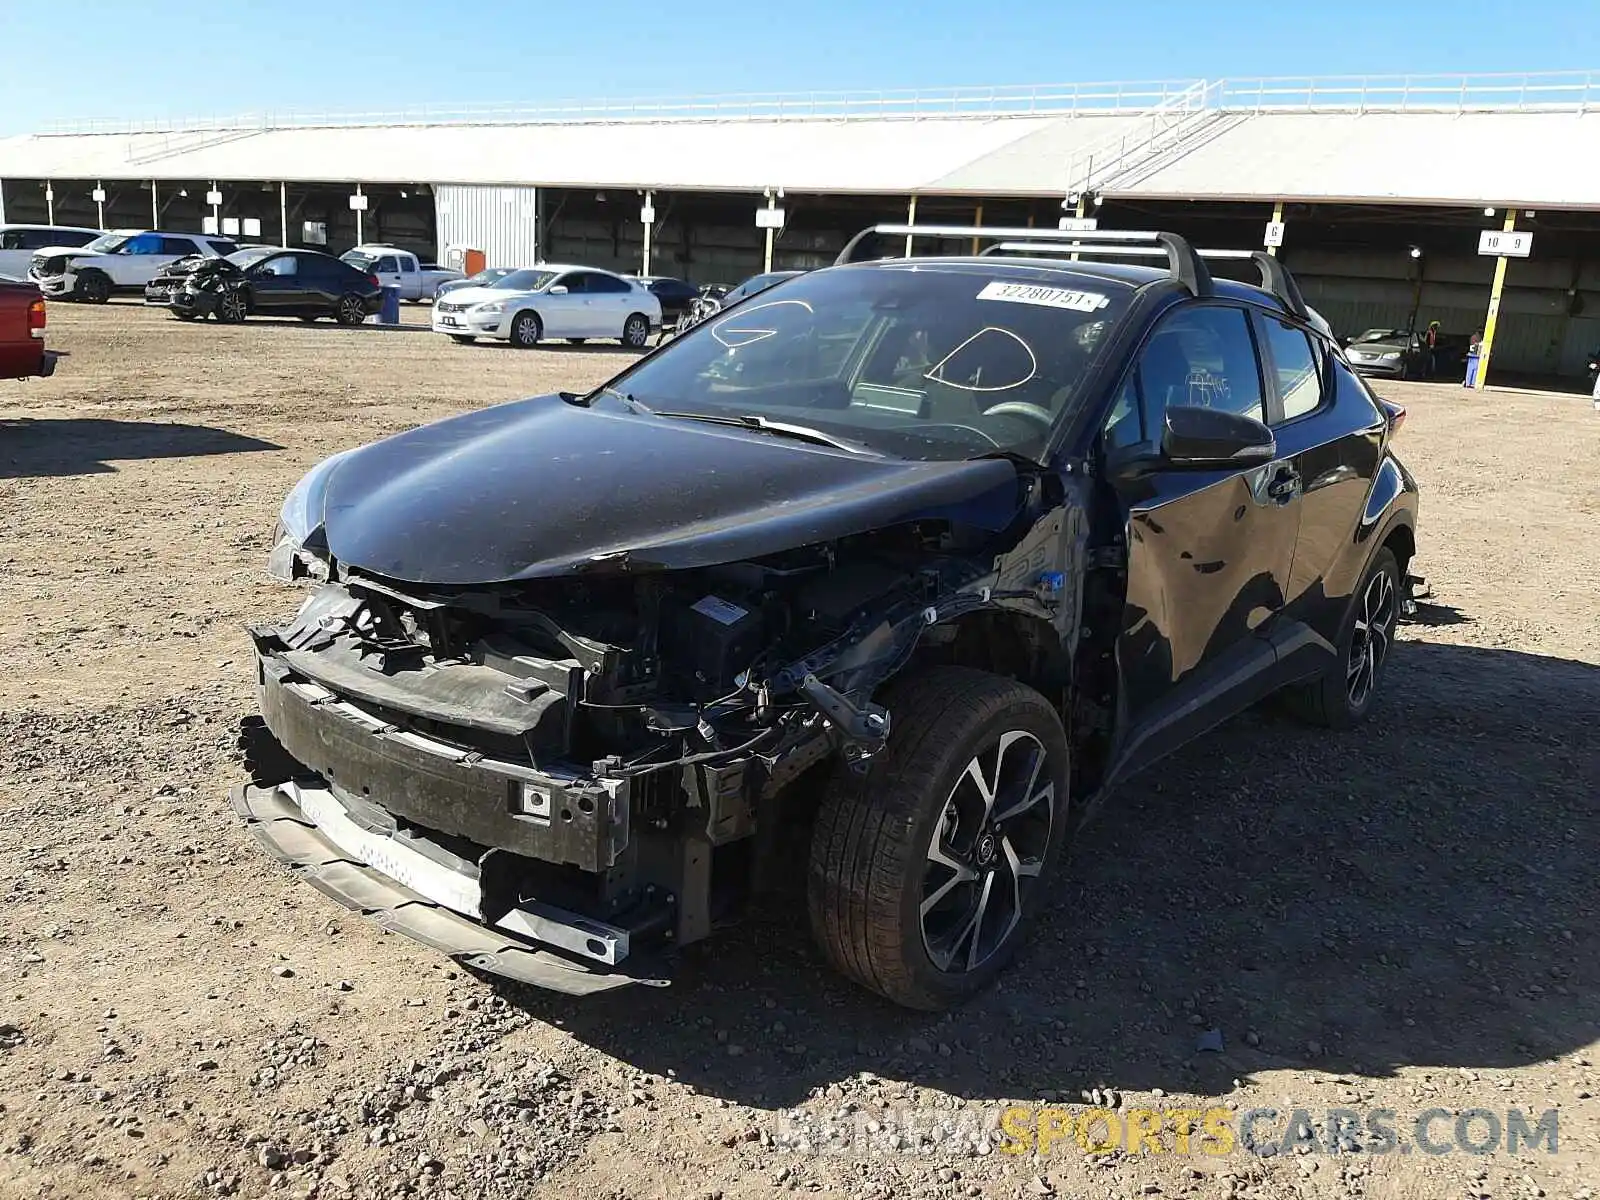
x=915 y=558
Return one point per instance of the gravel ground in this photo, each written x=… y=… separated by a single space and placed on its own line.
x=1398 y=918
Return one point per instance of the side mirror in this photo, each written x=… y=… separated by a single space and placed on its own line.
x=560 y=289
x=1210 y=439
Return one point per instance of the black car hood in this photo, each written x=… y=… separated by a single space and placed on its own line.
x=541 y=487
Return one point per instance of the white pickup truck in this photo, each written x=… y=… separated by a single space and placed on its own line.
x=394 y=267
x=123 y=260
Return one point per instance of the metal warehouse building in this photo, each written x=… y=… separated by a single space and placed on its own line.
x=1379 y=189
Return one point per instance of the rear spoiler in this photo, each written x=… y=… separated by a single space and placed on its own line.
x=1182 y=260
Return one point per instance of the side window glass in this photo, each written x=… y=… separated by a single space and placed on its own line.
x=575 y=283
x=177 y=246
x=147 y=243
x=1201 y=357
x=1125 y=425
x=1296 y=366
x=11 y=239
x=386 y=265
x=408 y=266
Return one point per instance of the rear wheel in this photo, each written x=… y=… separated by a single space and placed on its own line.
x=92 y=287
x=925 y=873
x=636 y=331
x=526 y=330
x=351 y=311
x=1343 y=694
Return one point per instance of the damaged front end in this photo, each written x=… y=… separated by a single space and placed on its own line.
x=558 y=778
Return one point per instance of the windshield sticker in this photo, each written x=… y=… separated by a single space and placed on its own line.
x=724 y=612
x=1049 y=297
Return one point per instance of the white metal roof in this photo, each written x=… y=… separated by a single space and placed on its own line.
x=1531 y=159
x=1424 y=139
x=883 y=155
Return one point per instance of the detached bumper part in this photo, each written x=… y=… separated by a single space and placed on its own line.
x=310 y=830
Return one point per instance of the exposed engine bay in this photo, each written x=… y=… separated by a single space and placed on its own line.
x=596 y=762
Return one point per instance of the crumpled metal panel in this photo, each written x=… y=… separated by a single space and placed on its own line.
x=290 y=838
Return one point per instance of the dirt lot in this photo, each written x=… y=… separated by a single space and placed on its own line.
x=1401 y=918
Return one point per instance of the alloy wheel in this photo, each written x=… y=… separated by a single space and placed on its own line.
x=231 y=308
x=1369 y=643
x=351 y=311
x=636 y=332
x=986 y=852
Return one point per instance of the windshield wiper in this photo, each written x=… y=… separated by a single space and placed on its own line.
x=802 y=433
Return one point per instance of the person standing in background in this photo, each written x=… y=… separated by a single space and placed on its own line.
x=1431 y=341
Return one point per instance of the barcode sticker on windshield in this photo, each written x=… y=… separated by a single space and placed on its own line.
x=1049 y=297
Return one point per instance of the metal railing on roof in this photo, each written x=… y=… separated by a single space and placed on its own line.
x=1561 y=91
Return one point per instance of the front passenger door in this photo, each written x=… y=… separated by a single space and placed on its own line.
x=1208 y=551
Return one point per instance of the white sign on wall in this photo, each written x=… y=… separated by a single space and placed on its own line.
x=252 y=227
x=358 y=203
x=98 y=195
x=230 y=226
x=1078 y=224
x=647 y=215
x=769 y=218
x=1273 y=238
x=208 y=225
x=213 y=197
x=1500 y=244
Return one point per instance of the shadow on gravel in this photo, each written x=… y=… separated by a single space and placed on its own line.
x=1420 y=891
x=32 y=448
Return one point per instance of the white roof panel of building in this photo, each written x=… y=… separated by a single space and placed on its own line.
x=890 y=155
x=1218 y=150
x=1508 y=158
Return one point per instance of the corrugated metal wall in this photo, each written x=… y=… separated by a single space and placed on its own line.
x=1544 y=328
x=503 y=222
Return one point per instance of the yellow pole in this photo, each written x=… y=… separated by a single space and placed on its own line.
x=1493 y=319
x=911 y=219
x=977 y=219
x=1277 y=215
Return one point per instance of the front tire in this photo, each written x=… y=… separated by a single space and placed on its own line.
x=232 y=308
x=526 y=330
x=636 y=331
x=1343 y=694
x=92 y=287
x=926 y=872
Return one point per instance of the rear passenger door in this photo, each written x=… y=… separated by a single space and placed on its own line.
x=1208 y=551
x=1330 y=433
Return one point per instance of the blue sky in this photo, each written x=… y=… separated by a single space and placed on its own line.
x=72 y=59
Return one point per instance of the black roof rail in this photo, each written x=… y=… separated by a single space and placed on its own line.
x=1275 y=277
x=1184 y=263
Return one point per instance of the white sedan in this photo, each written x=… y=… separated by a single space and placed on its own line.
x=548 y=301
